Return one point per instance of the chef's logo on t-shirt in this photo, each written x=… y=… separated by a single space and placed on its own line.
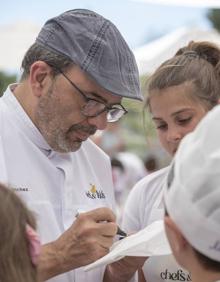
x=94 y=193
x=179 y=275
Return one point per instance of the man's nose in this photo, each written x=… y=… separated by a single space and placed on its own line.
x=100 y=121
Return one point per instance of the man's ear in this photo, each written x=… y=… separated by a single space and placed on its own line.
x=39 y=74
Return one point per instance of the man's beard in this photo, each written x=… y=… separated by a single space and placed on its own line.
x=49 y=120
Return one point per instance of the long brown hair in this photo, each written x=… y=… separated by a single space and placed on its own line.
x=199 y=63
x=15 y=260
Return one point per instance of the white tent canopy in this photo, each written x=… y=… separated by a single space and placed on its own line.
x=18 y=37
x=151 y=55
x=15 y=40
x=189 y=3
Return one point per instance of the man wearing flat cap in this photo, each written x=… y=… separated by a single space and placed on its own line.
x=74 y=78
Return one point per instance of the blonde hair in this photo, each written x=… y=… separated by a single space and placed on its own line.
x=198 y=63
x=15 y=260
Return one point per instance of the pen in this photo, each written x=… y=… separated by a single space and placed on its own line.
x=121 y=233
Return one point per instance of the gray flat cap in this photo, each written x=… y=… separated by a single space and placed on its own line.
x=96 y=45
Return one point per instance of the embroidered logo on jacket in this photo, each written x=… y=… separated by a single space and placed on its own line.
x=93 y=193
x=180 y=275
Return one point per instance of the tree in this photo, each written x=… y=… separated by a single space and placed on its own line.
x=5 y=79
x=214 y=16
x=137 y=126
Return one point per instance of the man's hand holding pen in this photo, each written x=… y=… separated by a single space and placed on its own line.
x=88 y=238
x=120 y=232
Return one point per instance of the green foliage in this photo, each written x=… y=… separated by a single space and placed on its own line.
x=5 y=79
x=214 y=16
x=137 y=125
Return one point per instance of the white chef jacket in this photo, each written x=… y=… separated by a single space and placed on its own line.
x=143 y=207
x=54 y=185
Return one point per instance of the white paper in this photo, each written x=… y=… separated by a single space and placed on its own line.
x=150 y=241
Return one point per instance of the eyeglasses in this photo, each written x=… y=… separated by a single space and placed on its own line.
x=93 y=107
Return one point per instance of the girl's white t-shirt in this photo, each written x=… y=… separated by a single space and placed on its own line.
x=144 y=206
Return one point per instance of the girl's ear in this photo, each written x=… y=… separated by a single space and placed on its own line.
x=182 y=249
x=177 y=241
x=39 y=74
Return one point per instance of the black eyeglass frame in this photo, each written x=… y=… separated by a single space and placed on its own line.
x=107 y=108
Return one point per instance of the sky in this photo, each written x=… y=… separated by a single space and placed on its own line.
x=139 y=22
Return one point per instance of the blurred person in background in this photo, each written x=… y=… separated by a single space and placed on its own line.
x=119 y=183
x=180 y=93
x=111 y=140
x=151 y=164
x=127 y=169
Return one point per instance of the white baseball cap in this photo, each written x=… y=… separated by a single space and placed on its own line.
x=192 y=193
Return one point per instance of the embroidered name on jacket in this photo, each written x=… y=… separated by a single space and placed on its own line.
x=21 y=189
x=180 y=275
x=93 y=193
